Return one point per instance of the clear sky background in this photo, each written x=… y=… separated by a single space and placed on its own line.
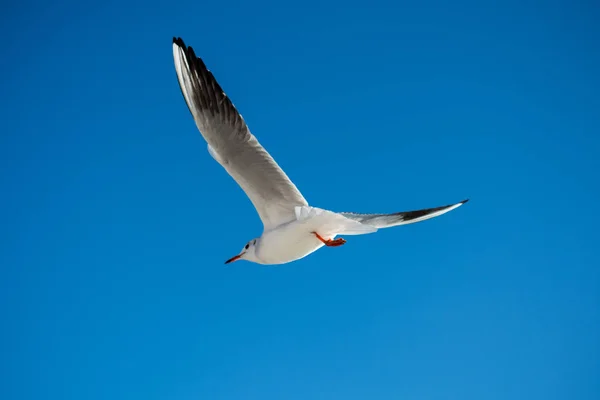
x=115 y=221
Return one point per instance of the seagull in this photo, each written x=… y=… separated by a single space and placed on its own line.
x=292 y=229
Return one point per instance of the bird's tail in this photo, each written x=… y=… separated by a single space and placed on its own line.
x=329 y=224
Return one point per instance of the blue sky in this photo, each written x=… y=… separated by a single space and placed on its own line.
x=116 y=222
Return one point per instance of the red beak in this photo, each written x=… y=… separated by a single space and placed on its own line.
x=232 y=259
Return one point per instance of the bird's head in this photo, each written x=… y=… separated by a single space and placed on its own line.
x=247 y=253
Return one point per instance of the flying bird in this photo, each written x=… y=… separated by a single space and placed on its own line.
x=292 y=228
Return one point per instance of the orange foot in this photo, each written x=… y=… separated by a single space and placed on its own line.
x=330 y=242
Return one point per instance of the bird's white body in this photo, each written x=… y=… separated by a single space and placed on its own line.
x=292 y=228
x=294 y=240
x=286 y=243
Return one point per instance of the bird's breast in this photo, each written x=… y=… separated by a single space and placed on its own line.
x=287 y=243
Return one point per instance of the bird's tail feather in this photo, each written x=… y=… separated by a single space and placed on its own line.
x=329 y=224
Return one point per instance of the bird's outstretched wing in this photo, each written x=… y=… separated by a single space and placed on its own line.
x=230 y=142
x=401 y=218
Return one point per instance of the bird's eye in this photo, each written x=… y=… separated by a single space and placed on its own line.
x=248 y=245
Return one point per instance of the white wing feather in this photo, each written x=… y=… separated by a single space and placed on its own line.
x=401 y=218
x=231 y=144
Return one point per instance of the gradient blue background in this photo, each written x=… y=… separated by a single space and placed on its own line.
x=115 y=221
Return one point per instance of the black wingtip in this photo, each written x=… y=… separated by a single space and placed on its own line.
x=464 y=201
x=178 y=41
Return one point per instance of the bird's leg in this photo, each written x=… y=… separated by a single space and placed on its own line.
x=330 y=242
